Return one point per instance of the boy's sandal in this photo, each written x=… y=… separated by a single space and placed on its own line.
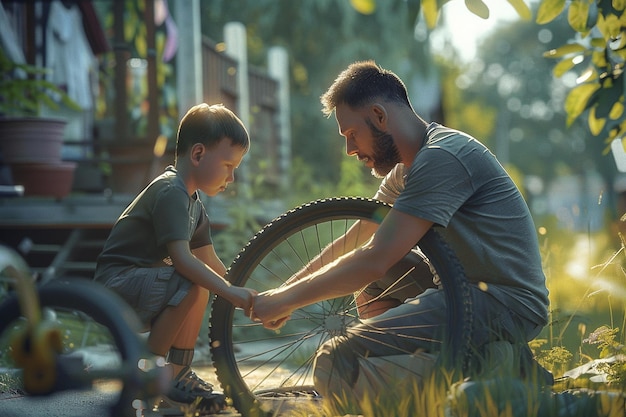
x=187 y=387
x=187 y=380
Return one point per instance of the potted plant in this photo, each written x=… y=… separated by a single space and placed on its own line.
x=29 y=143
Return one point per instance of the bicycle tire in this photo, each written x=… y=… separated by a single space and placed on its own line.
x=250 y=398
x=96 y=302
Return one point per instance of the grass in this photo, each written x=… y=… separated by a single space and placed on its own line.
x=10 y=384
x=495 y=397
x=587 y=283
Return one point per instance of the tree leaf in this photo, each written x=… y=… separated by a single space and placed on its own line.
x=598 y=43
x=563 y=66
x=365 y=7
x=578 y=100
x=561 y=51
x=595 y=124
x=521 y=8
x=616 y=111
x=431 y=12
x=141 y=46
x=478 y=7
x=609 y=25
x=549 y=10
x=619 y=4
x=577 y=15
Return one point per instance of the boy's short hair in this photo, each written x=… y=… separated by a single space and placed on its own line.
x=360 y=84
x=208 y=125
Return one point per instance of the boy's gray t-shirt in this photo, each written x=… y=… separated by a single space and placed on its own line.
x=458 y=184
x=163 y=212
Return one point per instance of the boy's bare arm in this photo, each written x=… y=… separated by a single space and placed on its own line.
x=198 y=272
x=208 y=255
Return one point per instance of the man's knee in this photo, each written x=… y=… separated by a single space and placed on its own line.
x=336 y=367
x=344 y=377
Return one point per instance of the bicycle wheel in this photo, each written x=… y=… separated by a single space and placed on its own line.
x=263 y=370
x=101 y=348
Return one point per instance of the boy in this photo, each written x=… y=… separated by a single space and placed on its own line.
x=159 y=256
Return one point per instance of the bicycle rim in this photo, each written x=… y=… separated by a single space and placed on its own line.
x=94 y=324
x=266 y=372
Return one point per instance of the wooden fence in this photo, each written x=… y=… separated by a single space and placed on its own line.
x=220 y=86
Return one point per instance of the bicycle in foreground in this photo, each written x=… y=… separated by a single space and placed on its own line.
x=45 y=328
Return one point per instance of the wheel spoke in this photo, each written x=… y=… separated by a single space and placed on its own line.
x=257 y=363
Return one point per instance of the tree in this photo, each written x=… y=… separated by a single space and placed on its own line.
x=508 y=97
x=323 y=36
x=596 y=52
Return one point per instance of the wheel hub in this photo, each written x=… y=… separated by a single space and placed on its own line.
x=337 y=324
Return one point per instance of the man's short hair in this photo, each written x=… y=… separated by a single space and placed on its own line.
x=209 y=124
x=361 y=83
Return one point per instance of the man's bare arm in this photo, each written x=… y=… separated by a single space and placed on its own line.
x=359 y=233
x=395 y=237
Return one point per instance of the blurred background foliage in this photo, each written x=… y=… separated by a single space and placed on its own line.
x=322 y=37
x=514 y=94
x=506 y=95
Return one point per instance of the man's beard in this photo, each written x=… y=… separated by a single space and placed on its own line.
x=385 y=152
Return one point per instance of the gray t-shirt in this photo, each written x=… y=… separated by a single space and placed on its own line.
x=458 y=184
x=163 y=212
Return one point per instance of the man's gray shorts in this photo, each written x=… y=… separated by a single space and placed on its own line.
x=150 y=290
x=345 y=364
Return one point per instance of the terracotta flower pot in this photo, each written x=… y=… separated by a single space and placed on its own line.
x=32 y=147
x=50 y=180
x=133 y=166
x=31 y=139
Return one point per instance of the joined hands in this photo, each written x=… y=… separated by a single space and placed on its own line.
x=267 y=311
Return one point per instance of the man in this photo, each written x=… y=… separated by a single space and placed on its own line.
x=435 y=177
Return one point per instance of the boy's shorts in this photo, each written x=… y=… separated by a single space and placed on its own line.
x=150 y=290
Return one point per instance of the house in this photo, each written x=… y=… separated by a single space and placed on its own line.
x=133 y=71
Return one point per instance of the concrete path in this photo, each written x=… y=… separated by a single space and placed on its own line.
x=66 y=404
x=97 y=402
x=92 y=403
x=87 y=403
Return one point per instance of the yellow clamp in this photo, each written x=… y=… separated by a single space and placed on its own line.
x=35 y=350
